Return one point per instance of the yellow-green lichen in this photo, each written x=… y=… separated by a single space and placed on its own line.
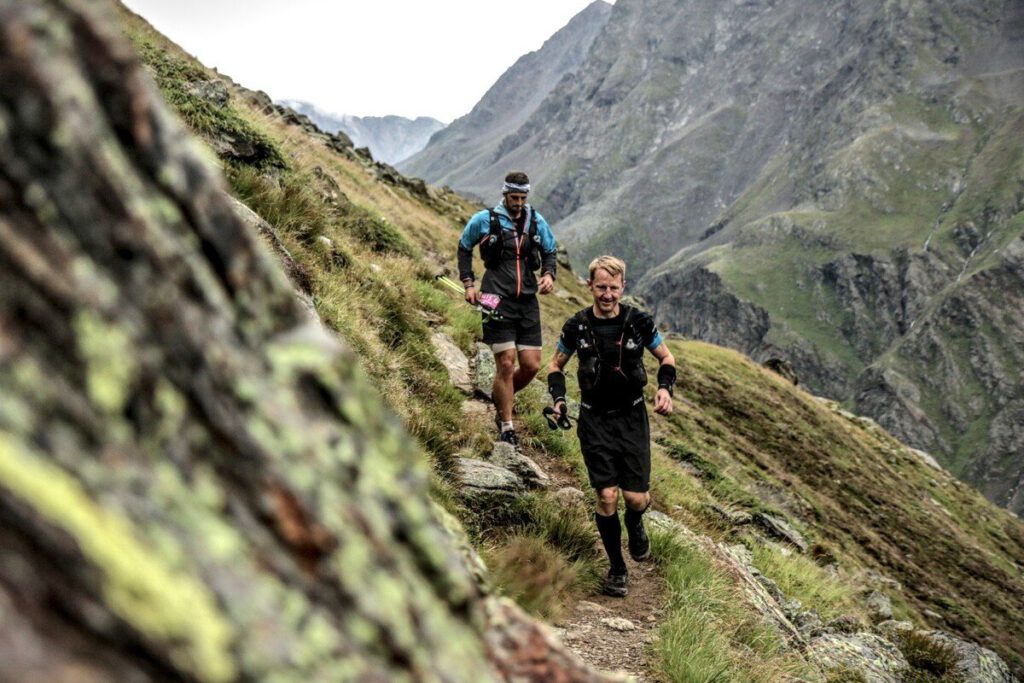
x=36 y=197
x=169 y=608
x=110 y=364
x=319 y=642
x=171 y=406
x=14 y=414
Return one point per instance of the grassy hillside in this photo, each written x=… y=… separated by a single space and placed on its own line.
x=366 y=246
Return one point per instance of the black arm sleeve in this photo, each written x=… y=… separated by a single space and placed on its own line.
x=667 y=378
x=465 y=263
x=556 y=386
x=549 y=263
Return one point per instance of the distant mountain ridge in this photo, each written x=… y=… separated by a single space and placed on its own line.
x=389 y=138
x=470 y=154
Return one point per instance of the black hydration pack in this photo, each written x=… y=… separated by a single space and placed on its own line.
x=492 y=247
x=591 y=365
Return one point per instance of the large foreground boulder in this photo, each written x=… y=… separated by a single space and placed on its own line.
x=196 y=483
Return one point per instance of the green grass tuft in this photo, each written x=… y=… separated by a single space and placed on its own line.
x=708 y=635
x=931 y=659
x=798 y=576
x=535 y=575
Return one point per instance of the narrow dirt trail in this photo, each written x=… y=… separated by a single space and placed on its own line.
x=610 y=634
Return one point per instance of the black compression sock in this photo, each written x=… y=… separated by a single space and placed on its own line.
x=611 y=537
x=634 y=518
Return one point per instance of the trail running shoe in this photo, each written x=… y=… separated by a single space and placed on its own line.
x=615 y=584
x=509 y=436
x=639 y=544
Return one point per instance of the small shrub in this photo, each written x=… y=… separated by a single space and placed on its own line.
x=375 y=232
x=926 y=653
x=535 y=575
x=570 y=530
x=287 y=203
x=844 y=674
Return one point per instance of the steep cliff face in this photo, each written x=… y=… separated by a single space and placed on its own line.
x=471 y=153
x=957 y=379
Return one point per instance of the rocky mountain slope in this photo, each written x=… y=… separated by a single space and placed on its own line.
x=203 y=475
x=473 y=153
x=389 y=138
x=841 y=186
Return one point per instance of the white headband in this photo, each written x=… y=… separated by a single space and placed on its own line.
x=512 y=187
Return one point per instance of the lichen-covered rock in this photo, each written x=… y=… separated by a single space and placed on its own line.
x=529 y=472
x=482 y=478
x=485 y=369
x=454 y=361
x=975 y=663
x=525 y=650
x=879 y=606
x=197 y=482
x=780 y=529
x=926 y=458
x=878 y=660
x=569 y=496
x=877 y=579
x=892 y=629
x=732 y=517
x=845 y=623
x=755 y=588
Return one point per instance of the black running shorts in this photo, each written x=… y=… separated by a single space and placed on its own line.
x=617 y=448
x=519 y=324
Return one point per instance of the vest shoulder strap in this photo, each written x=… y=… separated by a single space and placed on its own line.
x=495 y=225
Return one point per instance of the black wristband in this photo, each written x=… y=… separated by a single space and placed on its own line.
x=667 y=378
x=556 y=386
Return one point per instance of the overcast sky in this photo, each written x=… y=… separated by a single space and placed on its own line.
x=363 y=57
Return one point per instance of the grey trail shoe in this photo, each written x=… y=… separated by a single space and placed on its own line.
x=615 y=584
x=509 y=436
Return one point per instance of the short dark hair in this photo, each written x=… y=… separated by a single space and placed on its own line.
x=518 y=178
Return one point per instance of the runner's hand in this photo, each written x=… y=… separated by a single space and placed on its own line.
x=472 y=296
x=663 y=402
x=559 y=409
x=546 y=284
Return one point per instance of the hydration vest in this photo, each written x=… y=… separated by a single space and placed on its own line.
x=592 y=365
x=492 y=246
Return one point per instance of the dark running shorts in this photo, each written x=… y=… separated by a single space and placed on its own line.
x=617 y=448
x=520 y=324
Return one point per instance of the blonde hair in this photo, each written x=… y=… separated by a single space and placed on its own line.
x=614 y=266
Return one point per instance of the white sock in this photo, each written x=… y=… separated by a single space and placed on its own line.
x=506 y=427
